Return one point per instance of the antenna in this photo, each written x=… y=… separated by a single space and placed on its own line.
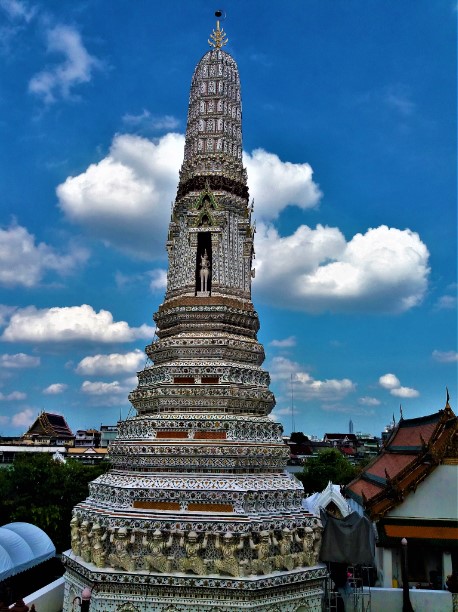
x=293 y=424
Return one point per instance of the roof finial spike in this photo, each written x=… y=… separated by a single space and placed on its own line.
x=218 y=37
x=400 y=410
x=447 y=402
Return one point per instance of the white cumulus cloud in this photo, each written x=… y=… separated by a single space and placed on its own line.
x=76 y=68
x=55 y=389
x=24 y=263
x=405 y=392
x=72 y=323
x=392 y=383
x=19 y=360
x=316 y=270
x=389 y=381
x=112 y=364
x=101 y=388
x=101 y=393
x=274 y=184
x=125 y=199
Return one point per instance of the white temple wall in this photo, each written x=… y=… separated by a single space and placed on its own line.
x=435 y=498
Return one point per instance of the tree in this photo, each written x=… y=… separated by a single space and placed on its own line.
x=38 y=490
x=298 y=437
x=329 y=465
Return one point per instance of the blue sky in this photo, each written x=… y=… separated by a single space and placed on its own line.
x=349 y=132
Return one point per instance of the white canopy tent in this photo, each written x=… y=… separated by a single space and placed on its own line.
x=22 y=546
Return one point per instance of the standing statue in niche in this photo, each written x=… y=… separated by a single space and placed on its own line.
x=204 y=271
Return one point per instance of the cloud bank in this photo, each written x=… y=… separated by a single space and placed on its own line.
x=70 y=324
x=125 y=199
x=275 y=184
x=111 y=365
x=316 y=270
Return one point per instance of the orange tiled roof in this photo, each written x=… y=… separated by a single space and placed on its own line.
x=414 y=449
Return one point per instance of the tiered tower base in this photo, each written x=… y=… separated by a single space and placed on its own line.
x=294 y=591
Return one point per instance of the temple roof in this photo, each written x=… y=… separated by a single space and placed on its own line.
x=49 y=424
x=414 y=449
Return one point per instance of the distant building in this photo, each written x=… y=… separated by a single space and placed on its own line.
x=368 y=446
x=88 y=455
x=50 y=434
x=341 y=440
x=107 y=434
x=49 y=429
x=9 y=451
x=87 y=438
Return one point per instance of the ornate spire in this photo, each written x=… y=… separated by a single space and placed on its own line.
x=213 y=147
x=218 y=37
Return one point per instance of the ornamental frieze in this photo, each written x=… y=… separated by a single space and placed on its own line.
x=235 y=554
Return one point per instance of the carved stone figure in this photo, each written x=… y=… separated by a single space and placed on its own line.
x=286 y=558
x=120 y=557
x=98 y=550
x=204 y=271
x=229 y=564
x=156 y=547
x=75 y=535
x=262 y=564
x=192 y=562
x=305 y=558
x=85 y=543
x=317 y=530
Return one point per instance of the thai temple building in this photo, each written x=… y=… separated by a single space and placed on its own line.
x=197 y=512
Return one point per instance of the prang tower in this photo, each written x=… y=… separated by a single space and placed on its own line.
x=197 y=512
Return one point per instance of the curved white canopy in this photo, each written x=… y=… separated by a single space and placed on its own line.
x=22 y=546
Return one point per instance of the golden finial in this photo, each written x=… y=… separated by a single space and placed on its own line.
x=218 y=37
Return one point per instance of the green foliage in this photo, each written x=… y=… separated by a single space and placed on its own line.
x=329 y=465
x=298 y=437
x=36 y=489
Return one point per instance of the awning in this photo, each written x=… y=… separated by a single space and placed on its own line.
x=22 y=546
